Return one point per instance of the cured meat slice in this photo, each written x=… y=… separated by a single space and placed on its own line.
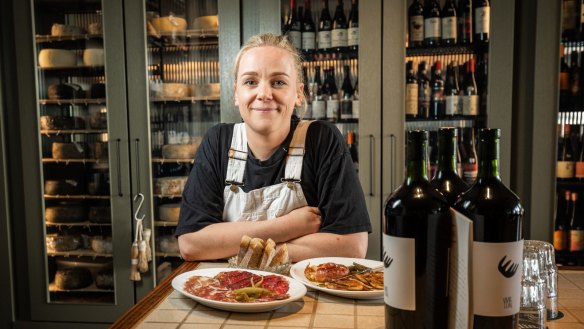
x=275 y=283
x=325 y=272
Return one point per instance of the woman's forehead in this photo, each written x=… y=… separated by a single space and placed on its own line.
x=266 y=58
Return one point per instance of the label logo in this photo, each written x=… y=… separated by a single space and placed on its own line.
x=508 y=269
x=387 y=260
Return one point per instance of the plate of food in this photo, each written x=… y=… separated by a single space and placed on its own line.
x=345 y=277
x=239 y=290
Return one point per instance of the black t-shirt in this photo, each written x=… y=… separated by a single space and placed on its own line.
x=329 y=180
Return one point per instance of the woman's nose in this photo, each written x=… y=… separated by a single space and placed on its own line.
x=264 y=91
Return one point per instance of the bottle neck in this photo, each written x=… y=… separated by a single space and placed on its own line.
x=488 y=159
x=417 y=161
x=447 y=155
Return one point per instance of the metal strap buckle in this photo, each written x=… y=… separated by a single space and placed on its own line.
x=237 y=155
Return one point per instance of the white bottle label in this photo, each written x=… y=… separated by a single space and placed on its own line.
x=324 y=39
x=353 y=36
x=308 y=40
x=296 y=38
x=332 y=109
x=565 y=169
x=339 y=38
x=453 y=105
x=482 y=19
x=449 y=30
x=417 y=28
x=496 y=272
x=582 y=13
x=355 y=108
x=412 y=99
x=470 y=105
x=318 y=109
x=399 y=275
x=432 y=27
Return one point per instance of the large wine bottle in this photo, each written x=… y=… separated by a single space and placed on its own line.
x=497 y=248
x=295 y=24
x=325 y=25
x=446 y=180
x=339 y=32
x=416 y=24
x=416 y=242
x=308 y=30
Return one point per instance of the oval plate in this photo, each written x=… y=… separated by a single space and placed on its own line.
x=297 y=272
x=296 y=291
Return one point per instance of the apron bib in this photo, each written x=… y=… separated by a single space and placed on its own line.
x=267 y=202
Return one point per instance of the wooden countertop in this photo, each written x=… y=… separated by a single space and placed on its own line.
x=165 y=308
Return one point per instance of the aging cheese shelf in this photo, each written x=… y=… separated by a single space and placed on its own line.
x=68 y=161
x=169 y=160
x=184 y=99
x=81 y=70
x=78 y=224
x=75 y=101
x=78 y=253
x=90 y=288
x=77 y=197
x=72 y=131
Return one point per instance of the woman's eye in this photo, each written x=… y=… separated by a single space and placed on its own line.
x=249 y=83
x=279 y=83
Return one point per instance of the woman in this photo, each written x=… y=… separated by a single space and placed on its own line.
x=272 y=176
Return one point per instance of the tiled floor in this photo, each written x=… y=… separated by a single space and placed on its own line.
x=322 y=311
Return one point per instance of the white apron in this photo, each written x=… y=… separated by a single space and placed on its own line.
x=267 y=202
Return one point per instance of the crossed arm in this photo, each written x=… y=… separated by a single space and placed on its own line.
x=299 y=229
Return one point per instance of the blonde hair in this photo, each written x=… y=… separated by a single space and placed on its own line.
x=278 y=41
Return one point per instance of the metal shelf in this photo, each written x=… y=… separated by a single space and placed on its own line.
x=73 y=101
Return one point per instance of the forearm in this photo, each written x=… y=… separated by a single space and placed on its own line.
x=222 y=240
x=328 y=245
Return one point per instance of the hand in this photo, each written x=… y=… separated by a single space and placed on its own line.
x=303 y=221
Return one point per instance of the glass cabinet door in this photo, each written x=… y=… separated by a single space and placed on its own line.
x=184 y=91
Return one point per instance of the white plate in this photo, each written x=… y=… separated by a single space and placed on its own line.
x=296 y=291
x=297 y=272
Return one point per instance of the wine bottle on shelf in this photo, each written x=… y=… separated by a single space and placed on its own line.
x=459 y=151
x=564 y=81
x=580 y=25
x=576 y=224
x=449 y=23
x=570 y=10
x=464 y=22
x=411 y=91
x=574 y=80
x=347 y=95
x=416 y=243
x=446 y=180
x=332 y=103
x=318 y=102
x=339 y=31
x=308 y=93
x=356 y=100
x=437 y=93
x=353 y=149
x=416 y=24
x=308 y=30
x=325 y=26
x=579 y=165
x=285 y=23
x=432 y=33
x=562 y=224
x=423 y=91
x=433 y=157
x=353 y=27
x=482 y=20
x=482 y=71
x=470 y=98
x=565 y=165
x=497 y=248
x=295 y=23
x=452 y=102
x=470 y=164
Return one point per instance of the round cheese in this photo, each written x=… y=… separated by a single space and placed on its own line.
x=65 y=214
x=175 y=90
x=55 y=58
x=206 y=22
x=180 y=151
x=206 y=90
x=169 y=185
x=95 y=28
x=169 y=24
x=63 y=187
x=73 y=278
x=102 y=245
x=69 y=150
x=93 y=57
x=169 y=212
x=61 y=30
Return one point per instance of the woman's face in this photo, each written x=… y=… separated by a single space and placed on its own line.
x=267 y=89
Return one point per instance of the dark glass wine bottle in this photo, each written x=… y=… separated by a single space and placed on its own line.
x=565 y=165
x=576 y=225
x=325 y=26
x=449 y=23
x=308 y=30
x=470 y=97
x=453 y=105
x=353 y=27
x=497 y=246
x=564 y=81
x=432 y=27
x=339 y=32
x=416 y=24
x=561 y=225
x=465 y=22
x=347 y=95
x=332 y=103
x=579 y=166
x=574 y=80
x=416 y=242
x=353 y=149
x=482 y=21
x=470 y=164
x=411 y=91
x=446 y=180
x=423 y=91
x=295 y=23
x=437 y=93
x=318 y=103
x=308 y=93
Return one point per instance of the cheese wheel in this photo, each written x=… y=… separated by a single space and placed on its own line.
x=55 y=58
x=102 y=245
x=175 y=90
x=59 y=243
x=61 y=30
x=105 y=279
x=69 y=150
x=169 y=24
x=50 y=122
x=65 y=214
x=169 y=185
x=95 y=28
x=169 y=212
x=206 y=90
x=93 y=57
x=63 y=187
x=168 y=244
x=100 y=214
x=180 y=151
x=73 y=278
x=206 y=22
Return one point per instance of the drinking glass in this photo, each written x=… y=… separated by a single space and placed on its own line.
x=533 y=287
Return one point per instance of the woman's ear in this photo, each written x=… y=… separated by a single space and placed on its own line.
x=300 y=94
x=235 y=94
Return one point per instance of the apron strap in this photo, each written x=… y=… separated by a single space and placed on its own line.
x=296 y=152
x=237 y=156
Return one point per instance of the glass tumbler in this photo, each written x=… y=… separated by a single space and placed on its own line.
x=533 y=281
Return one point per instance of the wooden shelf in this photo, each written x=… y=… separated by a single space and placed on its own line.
x=77 y=197
x=184 y=99
x=68 y=38
x=74 y=101
x=68 y=161
x=78 y=224
x=73 y=131
x=169 y=160
x=79 y=253
x=163 y=223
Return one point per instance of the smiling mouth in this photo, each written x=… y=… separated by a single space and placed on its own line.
x=263 y=109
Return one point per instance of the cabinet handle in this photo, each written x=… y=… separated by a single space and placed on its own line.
x=119 y=167
x=371 y=142
x=137 y=142
x=392 y=153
